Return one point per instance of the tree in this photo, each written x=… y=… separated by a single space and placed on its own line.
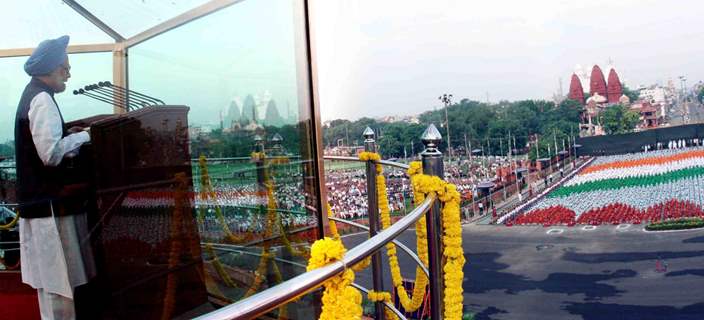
x=632 y=95
x=619 y=119
x=700 y=95
x=7 y=149
x=480 y=122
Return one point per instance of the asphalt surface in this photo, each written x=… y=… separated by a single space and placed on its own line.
x=607 y=273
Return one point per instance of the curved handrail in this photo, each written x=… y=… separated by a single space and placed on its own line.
x=248 y=253
x=246 y=158
x=269 y=299
x=384 y=162
x=396 y=242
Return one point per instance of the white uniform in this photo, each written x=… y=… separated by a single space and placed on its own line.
x=54 y=251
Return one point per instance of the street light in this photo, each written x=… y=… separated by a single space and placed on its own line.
x=447 y=100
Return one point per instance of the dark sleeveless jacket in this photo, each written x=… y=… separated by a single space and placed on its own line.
x=39 y=186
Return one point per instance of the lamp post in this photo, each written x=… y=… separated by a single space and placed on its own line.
x=447 y=100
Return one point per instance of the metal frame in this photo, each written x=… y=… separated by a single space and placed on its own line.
x=374 y=223
x=177 y=21
x=94 y=20
x=262 y=302
x=383 y=162
x=79 y=48
x=314 y=114
x=398 y=244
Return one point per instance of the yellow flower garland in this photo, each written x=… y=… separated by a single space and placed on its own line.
x=382 y=296
x=332 y=224
x=12 y=223
x=452 y=240
x=207 y=192
x=340 y=300
x=272 y=218
x=421 y=280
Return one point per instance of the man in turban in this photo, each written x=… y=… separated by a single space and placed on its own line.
x=54 y=255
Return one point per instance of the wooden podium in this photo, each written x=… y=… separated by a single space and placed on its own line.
x=147 y=252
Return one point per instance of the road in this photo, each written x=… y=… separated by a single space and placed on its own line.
x=607 y=273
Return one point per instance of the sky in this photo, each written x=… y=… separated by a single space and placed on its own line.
x=245 y=49
x=379 y=58
x=373 y=58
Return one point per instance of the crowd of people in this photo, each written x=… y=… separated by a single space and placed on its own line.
x=629 y=188
x=347 y=192
x=346 y=188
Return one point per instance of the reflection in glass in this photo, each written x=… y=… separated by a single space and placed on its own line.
x=253 y=188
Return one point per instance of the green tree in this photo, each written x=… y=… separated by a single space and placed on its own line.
x=632 y=95
x=486 y=126
x=618 y=119
x=700 y=95
x=7 y=149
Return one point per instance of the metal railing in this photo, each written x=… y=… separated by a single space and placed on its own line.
x=267 y=300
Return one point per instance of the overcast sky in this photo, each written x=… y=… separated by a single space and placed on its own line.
x=374 y=57
x=379 y=58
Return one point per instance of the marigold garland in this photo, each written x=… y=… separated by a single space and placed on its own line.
x=272 y=219
x=207 y=192
x=340 y=300
x=452 y=240
x=177 y=220
x=382 y=296
x=333 y=226
x=12 y=223
x=413 y=302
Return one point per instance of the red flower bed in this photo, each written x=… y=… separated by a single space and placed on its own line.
x=546 y=217
x=616 y=213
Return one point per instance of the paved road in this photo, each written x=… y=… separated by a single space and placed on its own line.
x=607 y=273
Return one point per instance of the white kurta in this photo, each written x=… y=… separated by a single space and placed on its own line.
x=54 y=251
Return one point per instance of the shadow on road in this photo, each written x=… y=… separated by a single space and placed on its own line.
x=694 y=240
x=628 y=256
x=484 y=274
x=693 y=272
x=599 y=311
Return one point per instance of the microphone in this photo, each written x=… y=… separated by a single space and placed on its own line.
x=99 y=98
x=143 y=96
x=136 y=102
x=119 y=97
x=107 y=96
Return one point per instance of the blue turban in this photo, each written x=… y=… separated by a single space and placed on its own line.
x=48 y=56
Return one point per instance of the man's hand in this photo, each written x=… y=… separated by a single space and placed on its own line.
x=75 y=129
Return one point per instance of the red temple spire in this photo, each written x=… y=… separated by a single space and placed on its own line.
x=597 y=84
x=576 y=91
x=614 y=89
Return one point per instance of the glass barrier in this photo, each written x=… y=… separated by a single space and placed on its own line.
x=250 y=180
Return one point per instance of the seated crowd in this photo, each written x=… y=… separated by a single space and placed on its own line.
x=629 y=188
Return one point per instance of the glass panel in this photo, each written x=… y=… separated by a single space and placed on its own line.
x=25 y=23
x=252 y=198
x=131 y=17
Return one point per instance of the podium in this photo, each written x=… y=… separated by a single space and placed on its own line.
x=147 y=250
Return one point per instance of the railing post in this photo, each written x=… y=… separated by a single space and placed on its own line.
x=433 y=165
x=374 y=225
x=259 y=163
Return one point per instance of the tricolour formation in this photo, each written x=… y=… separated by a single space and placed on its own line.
x=631 y=188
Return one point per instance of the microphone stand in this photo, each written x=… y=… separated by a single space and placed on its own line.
x=99 y=98
x=126 y=102
x=132 y=92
